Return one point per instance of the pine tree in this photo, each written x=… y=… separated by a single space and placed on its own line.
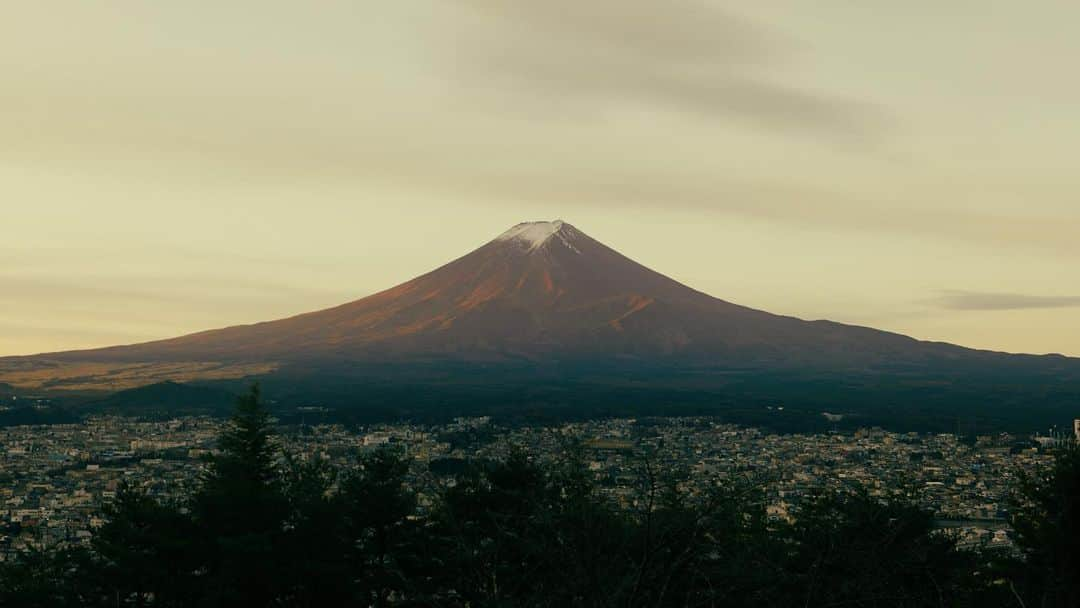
x=240 y=511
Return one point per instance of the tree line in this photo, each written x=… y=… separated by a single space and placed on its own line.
x=266 y=529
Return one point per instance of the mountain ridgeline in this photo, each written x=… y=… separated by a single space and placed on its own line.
x=544 y=316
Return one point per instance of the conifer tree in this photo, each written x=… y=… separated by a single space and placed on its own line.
x=240 y=511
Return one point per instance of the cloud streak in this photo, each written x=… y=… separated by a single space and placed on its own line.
x=681 y=57
x=974 y=300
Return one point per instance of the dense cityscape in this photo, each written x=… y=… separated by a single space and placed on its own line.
x=55 y=479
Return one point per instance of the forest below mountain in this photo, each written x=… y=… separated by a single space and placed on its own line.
x=1018 y=400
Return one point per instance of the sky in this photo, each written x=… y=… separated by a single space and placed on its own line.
x=169 y=167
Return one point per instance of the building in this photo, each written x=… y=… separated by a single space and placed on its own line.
x=1076 y=428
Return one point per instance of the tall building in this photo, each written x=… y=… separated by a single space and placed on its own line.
x=1076 y=428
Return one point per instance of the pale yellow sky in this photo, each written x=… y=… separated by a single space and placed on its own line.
x=167 y=167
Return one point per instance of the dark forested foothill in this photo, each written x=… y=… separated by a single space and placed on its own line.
x=267 y=529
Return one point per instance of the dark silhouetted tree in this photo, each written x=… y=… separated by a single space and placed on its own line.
x=853 y=549
x=315 y=542
x=240 y=511
x=1046 y=520
x=52 y=578
x=376 y=504
x=147 y=552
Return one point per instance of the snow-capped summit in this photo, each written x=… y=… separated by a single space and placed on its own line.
x=533 y=235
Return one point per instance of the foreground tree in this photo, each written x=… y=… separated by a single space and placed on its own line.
x=240 y=510
x=51 y=578
x=710 y=549
x=487 y=524
x=146 y=552
x=853 y=549
x=1046 y=519
x=316 y=567
x=376 y=506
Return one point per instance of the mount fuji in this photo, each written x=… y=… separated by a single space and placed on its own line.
x=539 y=290
x=544 y=299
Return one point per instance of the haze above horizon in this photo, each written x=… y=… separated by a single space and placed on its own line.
x=170 y=168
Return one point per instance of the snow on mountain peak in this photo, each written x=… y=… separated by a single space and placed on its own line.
x=533 y=235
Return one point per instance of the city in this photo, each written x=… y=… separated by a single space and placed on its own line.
x=56 y=479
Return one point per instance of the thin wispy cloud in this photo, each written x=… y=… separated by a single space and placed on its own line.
x=974 y=300
x=681 y=57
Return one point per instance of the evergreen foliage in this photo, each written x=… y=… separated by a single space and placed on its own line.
x=1046 y=517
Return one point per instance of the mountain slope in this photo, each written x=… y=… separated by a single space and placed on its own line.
x=542 y=294
x=540 y=289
